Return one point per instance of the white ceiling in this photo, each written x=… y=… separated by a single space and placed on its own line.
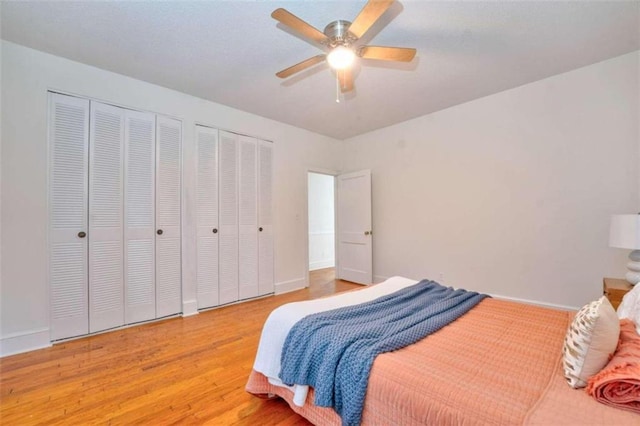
x=229 y=51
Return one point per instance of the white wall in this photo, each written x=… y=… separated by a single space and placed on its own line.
x=511 y=194
x=321 y=221
x=26 y=76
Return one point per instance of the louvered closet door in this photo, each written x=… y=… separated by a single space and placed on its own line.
x=68 y=150
x=139 y=216
x=106 y=283
x=265 y=218
x=168 y=184
x=228 y=235
x=207 y=212
x=248 y=217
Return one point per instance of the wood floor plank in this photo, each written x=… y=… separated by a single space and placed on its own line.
x=177 y=371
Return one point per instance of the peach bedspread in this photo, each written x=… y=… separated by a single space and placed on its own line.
x=498 y=364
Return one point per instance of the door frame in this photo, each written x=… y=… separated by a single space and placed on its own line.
x=334 y=174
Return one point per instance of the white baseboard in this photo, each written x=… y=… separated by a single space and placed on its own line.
x=536 y=303
x=189 y=307
x=291 y=285
x=321 y=264
x=379 y=278
x=17 y=343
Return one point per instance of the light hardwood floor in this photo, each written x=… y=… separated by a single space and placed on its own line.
x=182 y=370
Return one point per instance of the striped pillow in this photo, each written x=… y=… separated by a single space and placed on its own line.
x=590 y=340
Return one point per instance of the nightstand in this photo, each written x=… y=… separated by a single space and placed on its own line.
x=615 y=289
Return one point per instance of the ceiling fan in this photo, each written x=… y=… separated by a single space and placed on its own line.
x=341 y=41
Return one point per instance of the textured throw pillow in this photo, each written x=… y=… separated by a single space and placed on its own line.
x=590 y=340
x=630 y=306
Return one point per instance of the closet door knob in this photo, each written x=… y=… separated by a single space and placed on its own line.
x=159 y=232
x=215 y=230
x=82 y=234
x=260 y=229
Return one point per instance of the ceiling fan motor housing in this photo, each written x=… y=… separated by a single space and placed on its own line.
x=338 y=34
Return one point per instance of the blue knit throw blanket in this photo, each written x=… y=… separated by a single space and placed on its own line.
x=333 y=351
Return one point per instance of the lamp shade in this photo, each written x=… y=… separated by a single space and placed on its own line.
x=625 y=231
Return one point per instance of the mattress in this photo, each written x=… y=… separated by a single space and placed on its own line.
x=498 y=364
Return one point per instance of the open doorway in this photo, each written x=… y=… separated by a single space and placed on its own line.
x=321 y=220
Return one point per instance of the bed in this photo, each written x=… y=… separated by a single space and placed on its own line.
x=500 y=363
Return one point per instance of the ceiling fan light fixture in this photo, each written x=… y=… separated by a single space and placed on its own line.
x=341 y=58
x=343 y=42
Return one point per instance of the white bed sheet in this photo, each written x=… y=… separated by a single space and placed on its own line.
x=281 y=320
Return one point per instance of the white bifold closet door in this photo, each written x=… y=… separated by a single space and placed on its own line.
x=265 y=218
x=207 y=217
x=139 y=217
x=228 y=231
x=168 y=206
x=234 y=217
x=68 y=204
x=114 y=216
x=106 y=289
x=248 y=217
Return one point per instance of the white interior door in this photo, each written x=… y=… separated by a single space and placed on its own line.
x=168 y=190
x=265 y=218
x=207 y=216
x=354 y=227
x=139 y=216
x=248 y=218
x=228 y=235
x=106 y=262
x=68 y=177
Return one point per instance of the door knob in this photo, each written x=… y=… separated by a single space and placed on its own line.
x=159 y=232
x=366 y=232
x=82 y=234
x=260 y=229
x=215 y=230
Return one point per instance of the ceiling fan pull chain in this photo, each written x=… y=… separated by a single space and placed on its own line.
x=337 y=87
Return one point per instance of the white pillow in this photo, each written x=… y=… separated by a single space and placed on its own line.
x=591 y=338
x=630 y=306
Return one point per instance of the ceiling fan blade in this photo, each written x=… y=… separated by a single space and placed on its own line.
x=368 y=16
x=345 y=77
x=301 y=66
x=297 y=24
x=402 y=54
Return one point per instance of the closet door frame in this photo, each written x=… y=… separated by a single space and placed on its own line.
x=240 y=238
x=64 y=326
